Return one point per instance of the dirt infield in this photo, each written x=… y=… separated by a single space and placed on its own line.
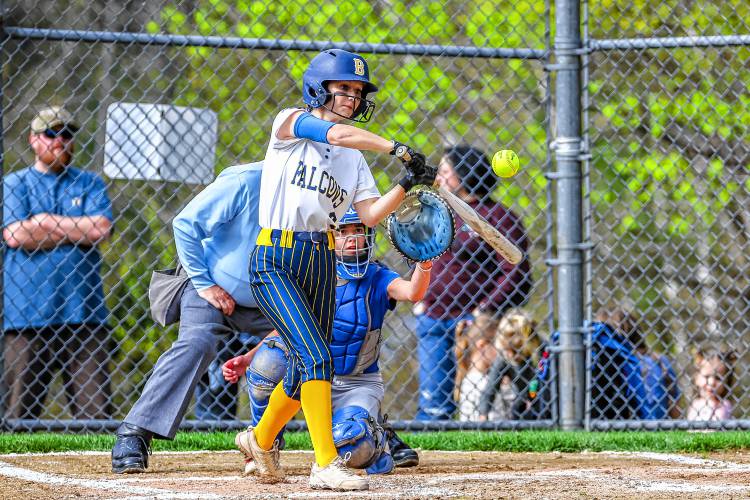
x=215 y=475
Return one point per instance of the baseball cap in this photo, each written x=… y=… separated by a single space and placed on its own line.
x=53 y=117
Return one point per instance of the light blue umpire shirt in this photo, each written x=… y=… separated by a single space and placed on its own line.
x=215 y=233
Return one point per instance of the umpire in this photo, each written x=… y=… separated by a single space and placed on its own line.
x=214 y=236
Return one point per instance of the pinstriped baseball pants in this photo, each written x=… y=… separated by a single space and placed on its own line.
x=294 y=284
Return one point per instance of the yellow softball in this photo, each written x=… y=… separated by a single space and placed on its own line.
x=505 y=163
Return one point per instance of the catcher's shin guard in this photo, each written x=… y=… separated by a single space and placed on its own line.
x=383 y=465
x=357 y=436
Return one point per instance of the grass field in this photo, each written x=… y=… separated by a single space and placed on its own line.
x=520 y=441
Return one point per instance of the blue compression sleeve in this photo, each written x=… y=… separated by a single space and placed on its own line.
x=309 y=127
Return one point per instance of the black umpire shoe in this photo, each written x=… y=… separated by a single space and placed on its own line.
x=131 y=450
x=403 y=455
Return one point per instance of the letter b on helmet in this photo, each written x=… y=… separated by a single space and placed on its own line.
x=336 y=65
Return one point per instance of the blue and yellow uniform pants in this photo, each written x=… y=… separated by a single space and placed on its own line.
x=293 y=280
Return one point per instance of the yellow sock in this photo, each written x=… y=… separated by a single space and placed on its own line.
x=281 y=409
x=316 y=403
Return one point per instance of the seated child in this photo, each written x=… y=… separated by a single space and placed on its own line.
x=713 y=380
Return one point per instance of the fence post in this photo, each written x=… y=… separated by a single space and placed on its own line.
x=569 y=262
x=3 y=391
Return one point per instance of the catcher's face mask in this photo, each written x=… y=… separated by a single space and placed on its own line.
x=354 y=244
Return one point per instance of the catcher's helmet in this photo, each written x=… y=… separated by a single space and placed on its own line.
x=354 y=266
x=337 y=65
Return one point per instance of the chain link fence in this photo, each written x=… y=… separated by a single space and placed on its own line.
x=665 y=193
x=666 y=122
x=242 y=62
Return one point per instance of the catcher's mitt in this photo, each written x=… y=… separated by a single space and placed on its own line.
x=422 y=227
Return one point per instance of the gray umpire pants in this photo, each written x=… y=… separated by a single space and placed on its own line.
x=167 y=394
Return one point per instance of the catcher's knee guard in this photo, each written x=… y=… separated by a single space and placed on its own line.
x=265 y=372
x=358 y=437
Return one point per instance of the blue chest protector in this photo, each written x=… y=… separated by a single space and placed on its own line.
x=355 y=342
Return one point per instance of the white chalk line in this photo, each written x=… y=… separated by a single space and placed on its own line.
x=162 y=453
x=650 y=485
x=12 y=471
x=684 y=460
x=167 y=496
x=401 y=492
x=133 y=492
x=181 y=479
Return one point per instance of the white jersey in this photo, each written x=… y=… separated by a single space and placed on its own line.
x=308 y=185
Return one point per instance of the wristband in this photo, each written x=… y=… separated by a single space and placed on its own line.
x=406 y=182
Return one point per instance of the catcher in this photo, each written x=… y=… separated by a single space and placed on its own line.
x=365 y=292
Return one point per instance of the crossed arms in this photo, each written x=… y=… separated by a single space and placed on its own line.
x=44 y=231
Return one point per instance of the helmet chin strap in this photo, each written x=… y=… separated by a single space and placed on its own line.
x=332 y=98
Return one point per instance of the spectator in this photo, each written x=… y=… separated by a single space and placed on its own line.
x=475 y=354
x=514 y=370
x=55 y=216
x=627 y=382
x=713 y=380
x=469 y=275
x=655 y=388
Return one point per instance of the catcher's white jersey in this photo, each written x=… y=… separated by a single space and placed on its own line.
x=308 y=185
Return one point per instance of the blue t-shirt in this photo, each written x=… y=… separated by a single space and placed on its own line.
x=216 y=232
x=61 y=285
x=380 y=302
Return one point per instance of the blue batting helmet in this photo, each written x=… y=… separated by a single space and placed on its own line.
x=337 y=65
x=354 y=266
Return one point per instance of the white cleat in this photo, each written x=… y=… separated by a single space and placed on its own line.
x=250 y=467
x=337 y=476
x=267 y=467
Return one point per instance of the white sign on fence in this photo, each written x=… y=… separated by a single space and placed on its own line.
x=160 y=142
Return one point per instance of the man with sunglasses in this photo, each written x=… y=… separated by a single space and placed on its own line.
x=54 y=218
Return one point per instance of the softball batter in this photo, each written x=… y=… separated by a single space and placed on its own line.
x=365 y=291
x=313 y=171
